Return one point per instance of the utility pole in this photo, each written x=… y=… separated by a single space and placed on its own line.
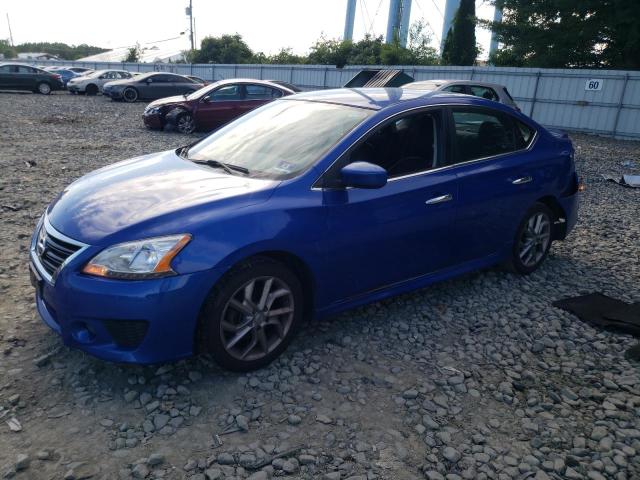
x=189 y=10
x=10 y=34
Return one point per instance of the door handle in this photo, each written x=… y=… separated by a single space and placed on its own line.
x=440 y=199
x=522 y=180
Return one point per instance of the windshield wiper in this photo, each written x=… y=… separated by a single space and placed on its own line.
x=227 y=167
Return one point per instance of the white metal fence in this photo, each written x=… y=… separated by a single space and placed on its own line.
x=605 y=102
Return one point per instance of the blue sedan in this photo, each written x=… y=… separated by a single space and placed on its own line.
x=310 y=205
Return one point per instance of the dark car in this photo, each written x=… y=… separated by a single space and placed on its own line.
x=65 y=74
x=198 y=79
x=150 y=86
x=307 y=206
x=212 y=106
x=17 y=76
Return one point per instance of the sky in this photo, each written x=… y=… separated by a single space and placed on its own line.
x=266 y=26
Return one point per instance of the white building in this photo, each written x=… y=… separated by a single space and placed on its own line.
x=170 y=52
x=36 y=56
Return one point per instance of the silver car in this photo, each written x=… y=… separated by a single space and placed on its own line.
x=490 y=91
x=92 y=83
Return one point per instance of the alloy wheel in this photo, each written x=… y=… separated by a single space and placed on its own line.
x=185 y=124
x=130 y=95
x=257 y=318
x=44 y=88
x=535 y=239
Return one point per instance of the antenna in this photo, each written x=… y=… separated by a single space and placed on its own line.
x=10 y=34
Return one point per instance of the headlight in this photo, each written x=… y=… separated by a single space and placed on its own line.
x=149 y=258
x=152 y=110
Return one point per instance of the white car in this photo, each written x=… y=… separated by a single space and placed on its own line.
x=490 y=91
x=92 y=83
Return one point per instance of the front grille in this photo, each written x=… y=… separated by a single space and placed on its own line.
x=127 y=333
x=53 y=251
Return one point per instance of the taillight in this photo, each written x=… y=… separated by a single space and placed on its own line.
x=57 y=76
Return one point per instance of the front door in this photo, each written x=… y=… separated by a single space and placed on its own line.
x=220 y=106
x=403 y=230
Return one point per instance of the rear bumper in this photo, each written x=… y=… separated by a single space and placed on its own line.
x=570 y=205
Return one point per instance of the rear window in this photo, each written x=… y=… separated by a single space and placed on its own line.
x=524 y=134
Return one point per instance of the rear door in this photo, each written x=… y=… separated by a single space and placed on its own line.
x=220 y=106
x=498 y=179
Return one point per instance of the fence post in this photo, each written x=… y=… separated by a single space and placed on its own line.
x=535 y=93
x=624 y=89
x=235 y=71
x=213 y=73
x=324 y=78
x=473 y=70
x=261 y=72
x=291 y=75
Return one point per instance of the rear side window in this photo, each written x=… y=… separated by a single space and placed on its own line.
x=22 y=69
x=524 y=134
x=484 y=92
x=454 y=89
x=260 y=92
x=482 y=133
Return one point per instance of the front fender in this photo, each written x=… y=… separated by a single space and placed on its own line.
x=172 y=114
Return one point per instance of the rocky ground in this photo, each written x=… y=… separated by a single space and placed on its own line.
x=475 y=378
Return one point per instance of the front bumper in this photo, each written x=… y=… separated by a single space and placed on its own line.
x=141 y=321
x=153 y=120
x=115 y=94
x=74 y=88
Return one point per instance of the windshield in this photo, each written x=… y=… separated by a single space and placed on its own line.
x=281 y=139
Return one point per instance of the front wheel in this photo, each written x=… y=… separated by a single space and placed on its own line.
x=92 y=89
x=130 y=95
x=44 y=88
x=533 y=239
x=250 y=317
x=185 y=123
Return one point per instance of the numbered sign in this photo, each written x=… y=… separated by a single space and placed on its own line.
x=593 y=84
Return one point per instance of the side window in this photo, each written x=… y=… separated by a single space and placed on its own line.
x=124 y=75
x=6 y=69
x=481 y=133
x=160 y=79
x=404 y=146
x=524 y=134
x=484 y=92
x=455 y=89
x=22 y=69
x=261 y=92
x=228 y=92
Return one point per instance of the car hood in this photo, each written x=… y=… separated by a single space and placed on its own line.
x=147 y=196
x=167 y=101
x=124 y=81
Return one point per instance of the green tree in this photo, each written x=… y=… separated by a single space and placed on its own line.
x=284 y=57
x=330 y=52
x=420 y=45
x=460 y=43
x=223 y=49
x=61 y=50
x=133 y=54
x=6 y=49
x=565 y=33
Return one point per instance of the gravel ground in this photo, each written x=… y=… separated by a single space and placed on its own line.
x=478 y=377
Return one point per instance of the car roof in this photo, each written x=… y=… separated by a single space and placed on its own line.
x=386 y=98
x=372 y=98
x=269 y=83
x=442 y=83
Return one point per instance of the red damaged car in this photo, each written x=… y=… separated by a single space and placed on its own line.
x=212 y=106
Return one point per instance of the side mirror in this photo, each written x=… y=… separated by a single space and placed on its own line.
x=363 y=175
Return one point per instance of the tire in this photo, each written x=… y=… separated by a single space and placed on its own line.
x=185 y=123
x=533 y=240
x=130 y=95
x=44 y=88
x=91 y=89
x=237 y=325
